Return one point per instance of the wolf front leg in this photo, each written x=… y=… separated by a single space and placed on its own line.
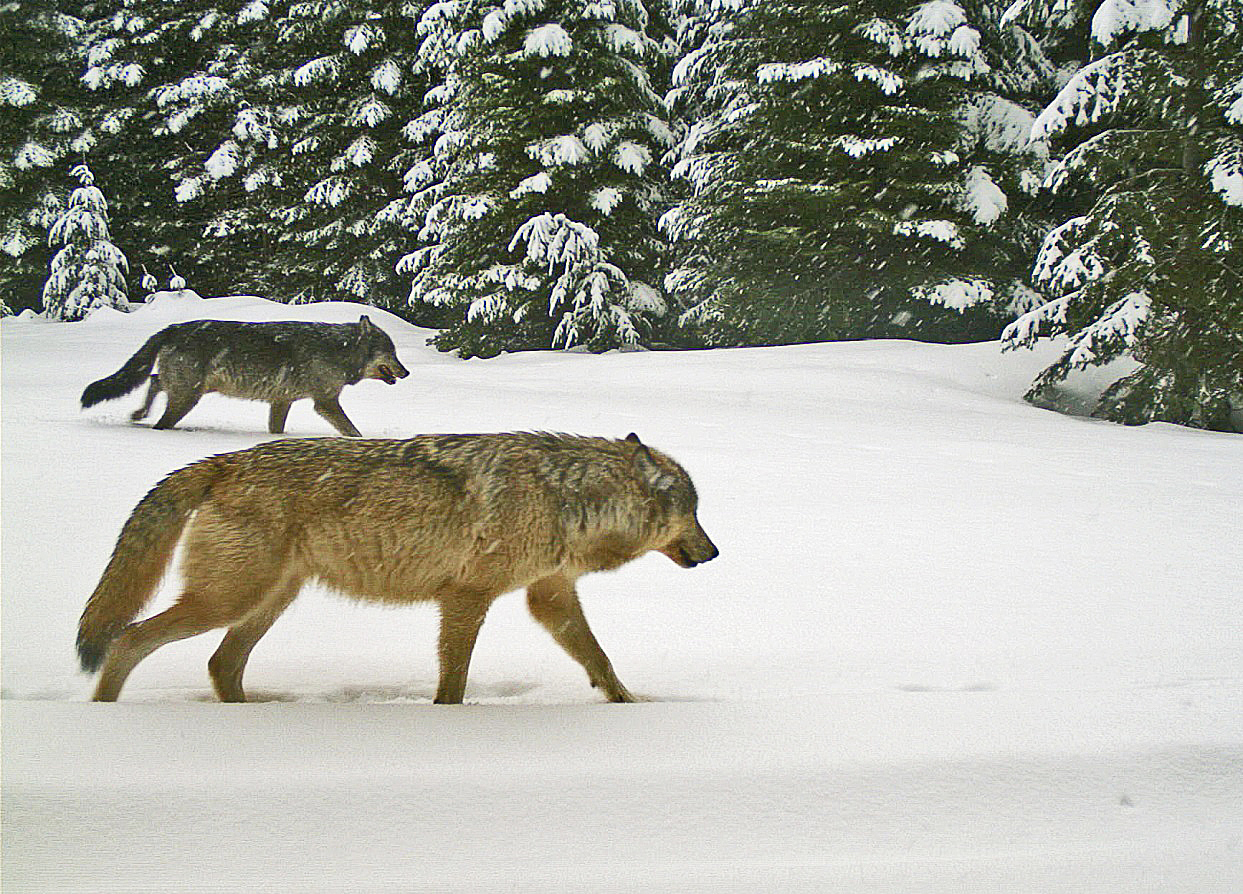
x=278 y=412
x=330 y=409
x=461 y=616
x=553 y=602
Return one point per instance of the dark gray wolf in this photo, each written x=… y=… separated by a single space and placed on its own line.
x=276 y=362
x=454 y=519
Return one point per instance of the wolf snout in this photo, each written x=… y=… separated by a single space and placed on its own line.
x=692 y=554
x=390 y=374
x=711 y=553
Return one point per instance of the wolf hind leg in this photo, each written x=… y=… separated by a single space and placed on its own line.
x=228 y=663
x=553 y=602
x=153 y=390
x=277 y=414
x=140 y=640
x=179 y=403
x=330 y=409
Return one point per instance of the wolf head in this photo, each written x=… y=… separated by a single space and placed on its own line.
x=679 y=534
x=379 y=356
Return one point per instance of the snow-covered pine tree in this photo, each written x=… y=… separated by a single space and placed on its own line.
x=1152 y=263
x=88 y=271
x=41 y=123
x=540 y=199
x=344 y=77
x=170 y=80
x=704 y=90
x=838 y=179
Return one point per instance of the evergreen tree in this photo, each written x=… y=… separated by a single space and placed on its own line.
x=41 y=124
x=88 y=271
x=1152 y=263
x=842 y=163
x=270 y=134
x=168 y=81
x=357 y=81
x=539 y=203
x=315 y=146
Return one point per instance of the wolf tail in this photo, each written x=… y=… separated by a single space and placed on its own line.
x=142 y=552
x=129 y=376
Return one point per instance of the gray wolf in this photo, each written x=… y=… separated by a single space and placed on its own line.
x=275 y=362
x=453 y=519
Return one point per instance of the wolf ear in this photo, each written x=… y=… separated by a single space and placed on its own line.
x=647 y=468
x=364 y=323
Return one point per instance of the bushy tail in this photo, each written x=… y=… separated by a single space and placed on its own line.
x=128 y=377
x=142 y=552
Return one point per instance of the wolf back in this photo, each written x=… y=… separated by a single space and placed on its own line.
x=454 y=519
x=274 y=362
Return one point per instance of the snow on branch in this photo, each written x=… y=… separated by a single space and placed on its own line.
x=982 y=198
x=857 y=147
x=196 y=89
x=253 y=12
x=386 y=77
x=496 y=21
x=1095 y=91
x=1046 y=319
x=547 y=40
x=1234 y=113
x=797 y=71
x=33 y=155
x=1001 y=124
x=938 y=230
x=1225 y=171
x=1062 y=264
x=957 y=294
x=1117 y=327
x=605 y=199
x=537 y=183
x=889 y=82
x=939 y=27
x=16 y=92
x=224 y=161
x=563 y=150
x=1115 y=17
x=325 y=68
x=359 y=38
x=555 y=239
x=886 y=34
x=621 y=39
x=631 y=157
x=369 y=112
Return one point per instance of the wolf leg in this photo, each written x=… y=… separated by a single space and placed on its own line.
x=330 y=409
x=554 y=603
x=153 y=389
x=461 y=616
x=179 y=403
x=229 y=661
x=276 y=416
x=141 y=639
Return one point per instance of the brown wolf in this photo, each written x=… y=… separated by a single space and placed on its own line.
x=454 y=519
x=275 y=362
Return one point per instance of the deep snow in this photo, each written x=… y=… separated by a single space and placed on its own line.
x=953 y=643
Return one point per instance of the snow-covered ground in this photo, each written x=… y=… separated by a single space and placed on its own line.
x=953 y=643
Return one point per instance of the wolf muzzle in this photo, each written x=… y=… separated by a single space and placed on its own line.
x=389 y=374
